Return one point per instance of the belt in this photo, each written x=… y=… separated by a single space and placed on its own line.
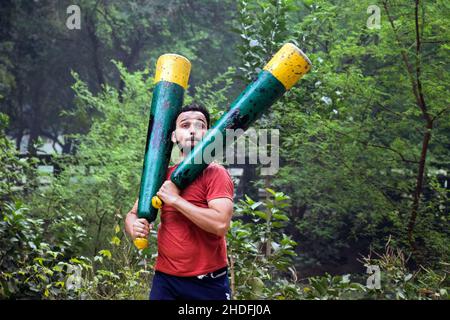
x=215 y=274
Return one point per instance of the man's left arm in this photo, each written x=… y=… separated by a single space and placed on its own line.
x=215 y=219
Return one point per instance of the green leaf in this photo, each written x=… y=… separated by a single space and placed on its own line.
x=106 y=253
x=280 y=216
x=256 y=205
x=260 y=214
x=115 y=241
x=75 y=260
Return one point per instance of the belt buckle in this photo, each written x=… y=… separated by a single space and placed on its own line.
x=219 y=275
x=211 y=274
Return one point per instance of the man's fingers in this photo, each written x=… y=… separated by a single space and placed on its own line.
x=142 y=227
x=140 y=234
x=142 y=224
x=142 y=221
x=137 y=229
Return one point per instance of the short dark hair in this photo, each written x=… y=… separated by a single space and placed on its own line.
x=196 y=107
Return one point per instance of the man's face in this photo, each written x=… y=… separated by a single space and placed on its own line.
x=191 y=126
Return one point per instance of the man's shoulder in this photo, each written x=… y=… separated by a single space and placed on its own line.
x=214 y=168
x=214 y=172
x=218 y=182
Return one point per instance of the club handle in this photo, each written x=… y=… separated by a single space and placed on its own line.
x=141 y=243
x=157 y=202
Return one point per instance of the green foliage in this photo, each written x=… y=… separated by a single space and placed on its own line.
x=13 y=170
x=105 y=171
x=69 y=228
x=215 y=94
x=257 y=274
x=38 y=51
x=260 y=252
x=330 y=287
x=33 y=252
x=351 y=131
x=119 y=272
x=263 y=29
x=38 y=261
x=396 y=281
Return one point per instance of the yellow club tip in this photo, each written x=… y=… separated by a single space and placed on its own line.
x=288 y=65
x=156 y=202
x=140 y=243
x=174 y=68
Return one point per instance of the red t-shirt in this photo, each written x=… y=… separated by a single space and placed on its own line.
x=184 y=249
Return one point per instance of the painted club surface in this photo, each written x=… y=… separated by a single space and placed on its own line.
x=285 y=69
x=171 y=78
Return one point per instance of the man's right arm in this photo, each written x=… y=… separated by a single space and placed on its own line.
x=135 y=227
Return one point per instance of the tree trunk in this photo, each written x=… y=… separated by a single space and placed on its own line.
x=90 y=25
x=416 y=86
x=33 y=138
x=419 y=186
x=232 y=274
x=269 y=221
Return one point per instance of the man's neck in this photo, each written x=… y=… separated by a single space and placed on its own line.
x=182 y=157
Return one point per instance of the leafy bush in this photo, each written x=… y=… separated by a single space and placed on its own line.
x=13 y=170
x=67 y=235
x=37 y=262
x=396 y=281
x=260 y=253
x=351 y=131
x=34 y=261
x=120 y=272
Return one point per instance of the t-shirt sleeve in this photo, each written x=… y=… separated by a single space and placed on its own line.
x=218 y=183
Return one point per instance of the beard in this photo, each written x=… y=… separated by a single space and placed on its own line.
x=187 y=145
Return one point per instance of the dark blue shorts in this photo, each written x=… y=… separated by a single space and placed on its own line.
x=212 y=286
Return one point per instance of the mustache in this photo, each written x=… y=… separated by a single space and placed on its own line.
x=185 y=141
x=192 y=139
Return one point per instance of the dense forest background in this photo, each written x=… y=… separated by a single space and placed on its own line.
x=364 y=144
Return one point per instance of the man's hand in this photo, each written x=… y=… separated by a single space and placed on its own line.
x=141 y=228
x=168 y=193
x=135 y=227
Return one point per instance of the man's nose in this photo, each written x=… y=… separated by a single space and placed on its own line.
x=192 y=130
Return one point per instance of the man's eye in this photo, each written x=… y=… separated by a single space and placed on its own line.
x=200 y=126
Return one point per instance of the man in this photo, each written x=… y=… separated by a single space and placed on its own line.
x=192 y=255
